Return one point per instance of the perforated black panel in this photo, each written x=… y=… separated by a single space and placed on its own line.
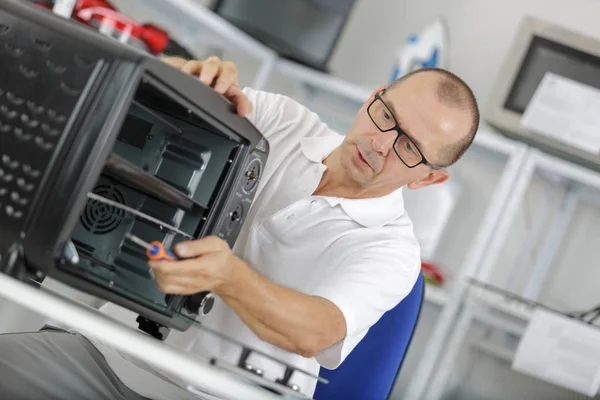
x=66 y=92
x=41 y=81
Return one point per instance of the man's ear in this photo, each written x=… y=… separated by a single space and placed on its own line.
x=432 y=178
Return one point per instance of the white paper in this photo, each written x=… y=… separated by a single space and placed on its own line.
x=565 y=110
x=562 y=351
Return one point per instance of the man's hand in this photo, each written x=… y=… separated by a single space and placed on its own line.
x=286 y=318
x=222 y=76
x=208 y=264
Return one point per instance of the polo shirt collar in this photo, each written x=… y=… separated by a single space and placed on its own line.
x=371 y=212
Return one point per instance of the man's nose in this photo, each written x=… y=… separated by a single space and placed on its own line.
x=383 y=142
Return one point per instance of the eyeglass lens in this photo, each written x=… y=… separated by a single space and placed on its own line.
x=385 y=121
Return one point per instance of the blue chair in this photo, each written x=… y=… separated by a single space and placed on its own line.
x=370 y=370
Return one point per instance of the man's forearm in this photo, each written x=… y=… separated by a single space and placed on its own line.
x=286 y=318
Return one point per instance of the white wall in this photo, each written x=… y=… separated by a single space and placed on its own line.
x=480 y=34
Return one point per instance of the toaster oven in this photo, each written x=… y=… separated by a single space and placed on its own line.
x=98 y=141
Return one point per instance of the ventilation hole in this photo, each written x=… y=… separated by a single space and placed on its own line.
x=7 y=112
x=16 y=198
x=70 y=90
x=100 y=218
x=34 y=107
x=8 y=178
x=29 y=171
x=55 y=67
x=22 y=135
x=28 y=73
x=14 y=50
x=50 y=131
x=56 y=117
x=12 y=212
x=83 y=62
x=28 y=121
x=4 y=29
x=12 y=164
x=43 y=144
x=2 y=173
x=24 y=185
x=41 y=44
x=13 y=98
x=3 y=191
x=5 y=127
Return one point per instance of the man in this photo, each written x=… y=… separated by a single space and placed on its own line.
x=326 y=248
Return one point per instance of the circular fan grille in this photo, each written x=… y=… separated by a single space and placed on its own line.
x=100 y=218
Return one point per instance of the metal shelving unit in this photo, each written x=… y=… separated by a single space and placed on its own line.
x=503 y=201
x=576 y=186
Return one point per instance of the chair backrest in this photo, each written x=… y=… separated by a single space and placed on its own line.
x=370 y=370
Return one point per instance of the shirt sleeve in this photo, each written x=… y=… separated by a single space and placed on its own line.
x=265 y=110
x=279 y=117
x=364 y=286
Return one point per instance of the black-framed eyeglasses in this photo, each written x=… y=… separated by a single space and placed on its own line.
x=404 y=147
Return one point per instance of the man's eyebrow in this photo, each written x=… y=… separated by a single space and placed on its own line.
x=415 y=141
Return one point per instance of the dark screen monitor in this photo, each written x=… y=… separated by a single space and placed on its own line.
x=304 y=31
x=540 y=48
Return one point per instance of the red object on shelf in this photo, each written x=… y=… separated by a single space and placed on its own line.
x=432 y=273
x=100 y=12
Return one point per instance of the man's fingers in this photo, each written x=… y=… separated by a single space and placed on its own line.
x=227 y=78
x=241 y=101
x=184 y=269
x=221 y=75
x=186 y=275
x=176 y=62
x=196 y=248
x=193 y=67
x=210 y=70
x=174 y=288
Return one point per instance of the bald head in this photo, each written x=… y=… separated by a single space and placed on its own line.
x=452 y=92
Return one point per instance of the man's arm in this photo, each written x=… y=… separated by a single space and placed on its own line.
x=286 y=318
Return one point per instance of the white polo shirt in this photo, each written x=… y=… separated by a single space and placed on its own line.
x=362 y=255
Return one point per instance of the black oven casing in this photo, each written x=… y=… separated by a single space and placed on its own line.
x=73 y=102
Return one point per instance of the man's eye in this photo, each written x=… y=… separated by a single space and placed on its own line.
x=386 y=115
x=409 y=147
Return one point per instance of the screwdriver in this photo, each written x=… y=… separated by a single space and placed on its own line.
x=154 y=250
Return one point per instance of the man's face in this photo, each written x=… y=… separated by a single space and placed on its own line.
x=367 y=154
